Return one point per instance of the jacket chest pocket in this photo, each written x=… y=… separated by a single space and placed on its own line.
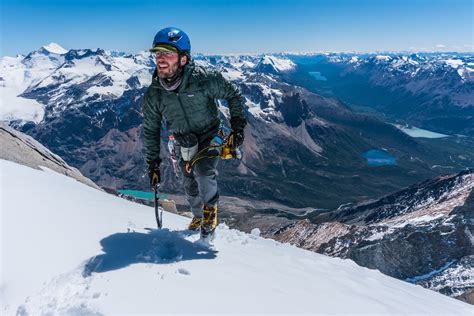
x=195 y=103
x=171 y=110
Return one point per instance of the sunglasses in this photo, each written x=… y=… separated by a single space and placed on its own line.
x=164 y=54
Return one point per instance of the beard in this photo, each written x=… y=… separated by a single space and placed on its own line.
x=167 y=71
x=170 y=75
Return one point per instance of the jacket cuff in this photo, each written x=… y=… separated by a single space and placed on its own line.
x=238 y=123
x=152 y=164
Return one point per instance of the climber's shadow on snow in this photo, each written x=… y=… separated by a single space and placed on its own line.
x=155 y=247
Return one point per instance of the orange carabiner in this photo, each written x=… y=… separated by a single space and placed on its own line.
x=187 y=167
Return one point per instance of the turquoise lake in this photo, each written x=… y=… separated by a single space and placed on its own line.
x=317 y=75
x=141 y=194
x=376 y=157
x=418 y=132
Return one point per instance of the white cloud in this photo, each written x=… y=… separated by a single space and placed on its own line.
x=440 y=46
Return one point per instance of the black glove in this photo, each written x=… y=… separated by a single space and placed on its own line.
x=237 y=137
x=237 y=124
x=154 y=172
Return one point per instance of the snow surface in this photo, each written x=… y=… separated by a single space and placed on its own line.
x=419 y=133
x=55 y=49
x=279 y=64
x=48 y=68
x=13 y=107
x=14 y=77
x=455 y=63
x=382 y=57
x=67 y=248
x=232 y=74
x=354 y=59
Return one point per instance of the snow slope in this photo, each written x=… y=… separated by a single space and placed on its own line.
x=279 y=64
x=13 y=80
x=55 y=48
x=70 y=249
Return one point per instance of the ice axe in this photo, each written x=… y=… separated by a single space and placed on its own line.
x=158 y=214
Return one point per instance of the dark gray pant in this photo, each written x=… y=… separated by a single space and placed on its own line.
x=200 y=186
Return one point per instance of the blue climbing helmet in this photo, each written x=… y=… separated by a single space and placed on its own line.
x=174 y=37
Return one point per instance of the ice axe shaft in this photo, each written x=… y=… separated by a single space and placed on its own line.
x=158 y=216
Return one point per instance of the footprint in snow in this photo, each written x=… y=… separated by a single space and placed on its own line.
x=183 y=271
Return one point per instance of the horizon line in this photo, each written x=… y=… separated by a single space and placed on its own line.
x=273 y=53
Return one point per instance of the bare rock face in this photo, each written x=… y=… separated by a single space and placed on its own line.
x=23 y=149
x=116 y=159
x=455 y=280
x=423 y=234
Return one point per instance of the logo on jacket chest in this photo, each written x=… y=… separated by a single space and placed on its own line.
x=189 y=94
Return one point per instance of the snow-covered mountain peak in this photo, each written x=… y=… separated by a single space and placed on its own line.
x=84 y=53
x=455 y=63
x=55 y=48
x=414 y=67
x=275 y=64
x=383 y=57
x=354 y=59
x=79 y=75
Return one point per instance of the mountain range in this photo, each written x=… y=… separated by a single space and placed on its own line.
x=302 y=149
x=318 y=170
x=434 y=91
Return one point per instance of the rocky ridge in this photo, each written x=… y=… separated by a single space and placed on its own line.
x=423 y=234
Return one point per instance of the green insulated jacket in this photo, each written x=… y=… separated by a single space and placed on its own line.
x=191 y=109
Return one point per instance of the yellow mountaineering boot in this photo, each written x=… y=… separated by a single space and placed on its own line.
x=195 y=223
x=209 y=221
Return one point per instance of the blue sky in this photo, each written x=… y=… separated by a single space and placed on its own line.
x=240 y=26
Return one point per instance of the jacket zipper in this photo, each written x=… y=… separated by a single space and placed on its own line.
x=184 y=112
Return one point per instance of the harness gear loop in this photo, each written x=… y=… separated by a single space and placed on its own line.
x=226 y=152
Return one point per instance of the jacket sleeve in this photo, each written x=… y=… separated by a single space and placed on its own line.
x=151 y=127
x=223 y=89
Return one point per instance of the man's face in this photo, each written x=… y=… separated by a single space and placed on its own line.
x=167 y=64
